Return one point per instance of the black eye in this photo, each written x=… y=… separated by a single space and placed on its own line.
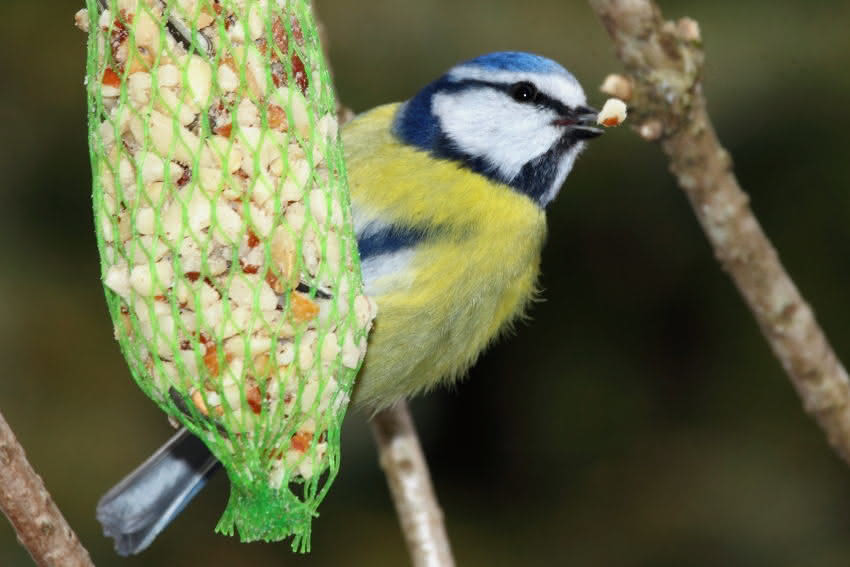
x=524 y=92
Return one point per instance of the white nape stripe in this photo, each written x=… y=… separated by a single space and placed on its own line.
x=559 y=86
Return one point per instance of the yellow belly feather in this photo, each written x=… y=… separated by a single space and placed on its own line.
x=463 y=287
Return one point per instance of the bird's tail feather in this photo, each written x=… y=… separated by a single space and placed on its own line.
x=135 y=510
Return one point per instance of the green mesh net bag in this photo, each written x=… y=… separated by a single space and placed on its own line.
x=225 y=237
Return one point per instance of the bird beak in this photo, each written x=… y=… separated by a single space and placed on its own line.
x=581 y=123
x=586 y=128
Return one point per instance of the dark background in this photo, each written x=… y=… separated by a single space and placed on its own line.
x=638 y=419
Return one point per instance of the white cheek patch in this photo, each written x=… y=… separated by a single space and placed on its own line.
x=486 y=123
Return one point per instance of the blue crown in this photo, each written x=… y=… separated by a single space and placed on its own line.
x=516 y=61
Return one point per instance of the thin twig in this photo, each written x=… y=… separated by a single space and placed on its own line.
x=38 y=523
x=664 y=62
x=410 y=485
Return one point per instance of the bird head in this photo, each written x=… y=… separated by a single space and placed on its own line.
x=517 y=118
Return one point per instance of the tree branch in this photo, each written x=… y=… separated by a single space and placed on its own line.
x=664 y=62
x=404 y=464
x=401 y=456
x=38 y=523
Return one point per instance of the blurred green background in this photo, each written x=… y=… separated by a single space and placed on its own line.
x=638 y=419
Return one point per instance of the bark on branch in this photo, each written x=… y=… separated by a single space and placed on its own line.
x=404 y=464
x=38 y=523
x=664 y=61
x=401 y=456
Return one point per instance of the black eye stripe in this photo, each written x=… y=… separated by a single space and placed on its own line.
x=549 y=102
x=540 y=99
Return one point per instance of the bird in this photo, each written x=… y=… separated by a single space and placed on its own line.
x=449 y=192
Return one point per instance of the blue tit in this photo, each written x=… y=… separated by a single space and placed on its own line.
x=449 y=191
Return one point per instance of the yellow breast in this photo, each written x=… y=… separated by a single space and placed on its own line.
x=471 y=275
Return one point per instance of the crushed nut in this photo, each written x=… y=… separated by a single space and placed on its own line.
x=214 y=202
x=613 y=113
